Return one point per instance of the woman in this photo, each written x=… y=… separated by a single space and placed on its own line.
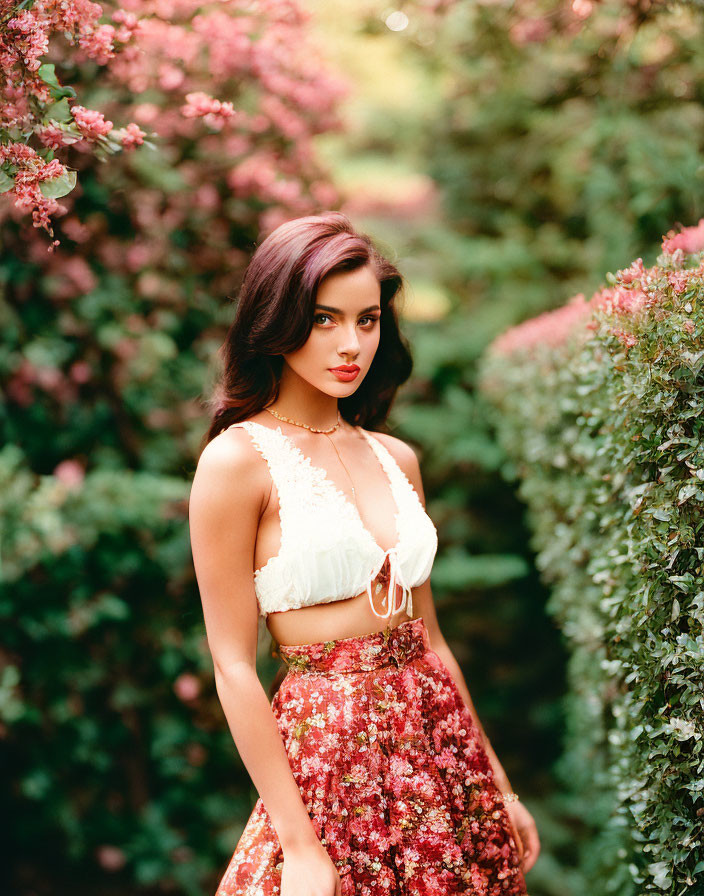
x=373 y=772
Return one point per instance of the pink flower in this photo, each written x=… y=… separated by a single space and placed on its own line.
x=582 y=8
x=132 y=136
x=53 y=136
x=689 y=240
x=112 y=858
x=678 y=280
x=187 y=687
x=91 y=124
x=80 y=372
x=529 y=31
x=200 y=105
x=635 y=272
x=627 y=339
x=70 y=472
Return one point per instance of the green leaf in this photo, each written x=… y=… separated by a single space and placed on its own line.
x=59 y=186
x=58 y=111
x=48 y=74
x=6 y=182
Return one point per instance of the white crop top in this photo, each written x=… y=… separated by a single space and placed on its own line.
x=326 y=552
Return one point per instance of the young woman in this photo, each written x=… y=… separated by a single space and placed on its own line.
x=373 y=771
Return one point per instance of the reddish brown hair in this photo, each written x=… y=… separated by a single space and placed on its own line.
x=274 y=316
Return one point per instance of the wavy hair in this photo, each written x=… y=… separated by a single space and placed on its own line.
x=275 y=312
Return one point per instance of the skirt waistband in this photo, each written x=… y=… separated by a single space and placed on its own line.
x=360 y=653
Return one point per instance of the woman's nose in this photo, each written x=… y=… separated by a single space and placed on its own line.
x=349 y=343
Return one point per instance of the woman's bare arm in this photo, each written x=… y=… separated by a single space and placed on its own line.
x=230 y=489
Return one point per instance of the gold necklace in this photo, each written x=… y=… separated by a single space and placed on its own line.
x=324 y=432
x=305 y=425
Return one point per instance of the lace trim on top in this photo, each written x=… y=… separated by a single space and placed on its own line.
x=326 y=551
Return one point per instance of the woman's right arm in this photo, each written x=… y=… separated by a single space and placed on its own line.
x=229 y=492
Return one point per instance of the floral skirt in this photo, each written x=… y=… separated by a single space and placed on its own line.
x=393 y=773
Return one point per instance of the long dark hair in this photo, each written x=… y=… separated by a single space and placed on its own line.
x=274 y=316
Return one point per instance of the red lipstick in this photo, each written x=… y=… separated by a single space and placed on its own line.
x=345 y=372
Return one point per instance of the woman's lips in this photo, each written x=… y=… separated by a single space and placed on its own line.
x=345 y=374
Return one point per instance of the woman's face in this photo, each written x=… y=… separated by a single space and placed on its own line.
x=345 y=333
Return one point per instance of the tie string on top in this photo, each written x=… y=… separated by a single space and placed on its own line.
x=395 y=576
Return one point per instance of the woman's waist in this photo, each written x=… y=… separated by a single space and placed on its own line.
x=332 y=619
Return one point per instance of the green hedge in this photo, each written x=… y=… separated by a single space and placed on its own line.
x=598 y=407
x=109 y=720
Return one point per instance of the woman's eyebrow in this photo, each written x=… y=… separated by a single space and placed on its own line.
x=340 y=311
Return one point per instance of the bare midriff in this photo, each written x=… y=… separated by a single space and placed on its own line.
x=346 y=618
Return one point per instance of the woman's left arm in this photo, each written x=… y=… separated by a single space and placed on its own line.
x=423 y=605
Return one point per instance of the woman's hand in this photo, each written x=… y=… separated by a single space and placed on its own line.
x=309 y=871
x=525 y=832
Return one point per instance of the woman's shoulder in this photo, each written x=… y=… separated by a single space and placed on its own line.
x=404 y=455
x=231 y=459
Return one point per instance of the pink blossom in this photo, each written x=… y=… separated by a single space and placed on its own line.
x=53 y=135
x=76 y=230
x=688 y=325
x=528 y=31
x=678 y=280
x=47 y=377
x=187 y=687
x=70 y=472
x=689 y=240
x=548 y=328
x=622 y=300
x=76 y=278
x=146 y=112
x=635 y=272
x=91 y=124
x=200 y=105
x=112 y=858
x=627 y=339
x=137 y=256
x=582 y=8
x=126 y=348
x=132 y=136
x=98 y=43
x=80 y=372
x=170 y=77
x=29 y=43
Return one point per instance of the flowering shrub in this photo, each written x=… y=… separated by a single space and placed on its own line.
x=600 y=408
x=34 y=104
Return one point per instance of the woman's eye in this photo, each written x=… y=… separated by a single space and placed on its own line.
x=317 y=319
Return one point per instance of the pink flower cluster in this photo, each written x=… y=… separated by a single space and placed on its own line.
x=551 y=328
x=91 y=124
x=626 y=339
x=214 y=112
x=25 y=95
x=623 y=299
x=636 y=289
x=31 y=171
x=689 y=239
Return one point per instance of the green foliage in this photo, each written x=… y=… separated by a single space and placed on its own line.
x=605 y=437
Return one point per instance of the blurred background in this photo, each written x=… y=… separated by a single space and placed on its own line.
x=505 y=155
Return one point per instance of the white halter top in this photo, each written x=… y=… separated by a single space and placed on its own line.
x=326 y=552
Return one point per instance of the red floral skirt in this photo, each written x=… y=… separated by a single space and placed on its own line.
x=392 y=770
